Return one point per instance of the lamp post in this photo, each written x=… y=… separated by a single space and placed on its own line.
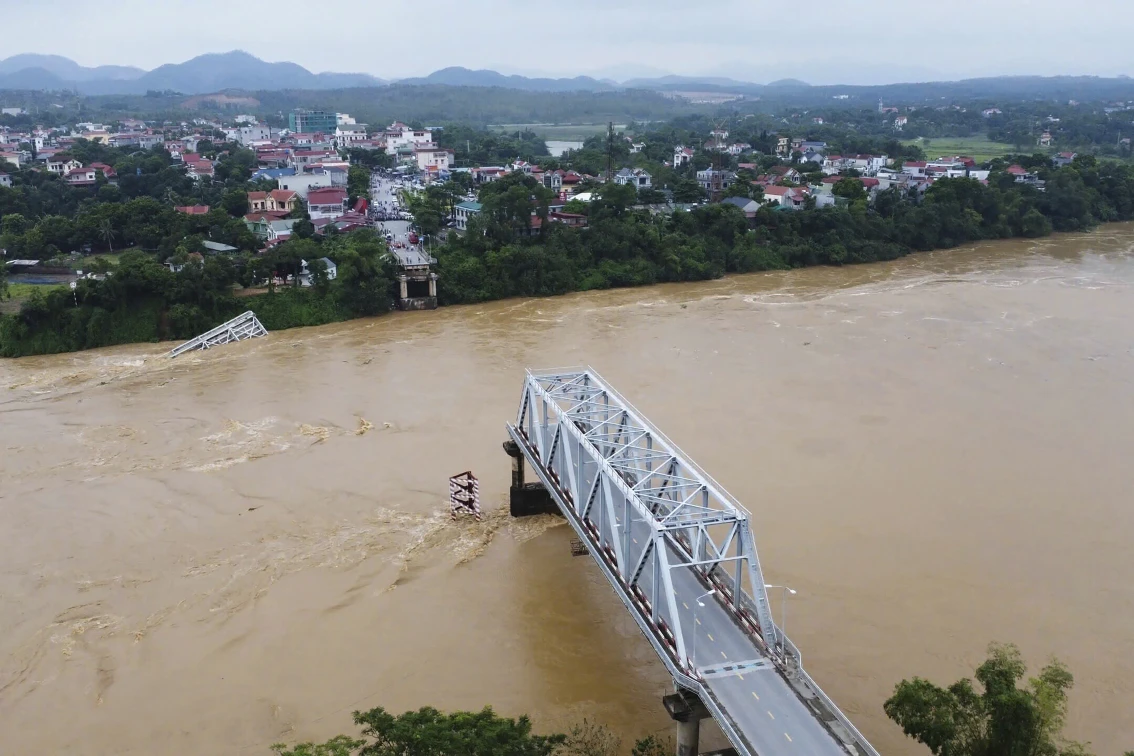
x=698 y=600
x=783 y=616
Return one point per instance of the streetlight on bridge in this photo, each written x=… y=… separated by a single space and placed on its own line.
x=783 y=615
x=702 y=605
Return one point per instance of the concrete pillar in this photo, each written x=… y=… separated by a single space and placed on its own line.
x=433 y=284
x=404 y=289
x=689 y=737
x=686 y=709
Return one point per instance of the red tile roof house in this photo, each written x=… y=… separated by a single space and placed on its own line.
x=193 y=209
x=785 y=196
x=326 y=203
x=81 y=177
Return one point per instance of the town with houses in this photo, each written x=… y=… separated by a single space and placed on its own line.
x=308 y=165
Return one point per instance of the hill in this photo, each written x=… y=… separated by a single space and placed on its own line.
x=201 y=75
x=456 y=76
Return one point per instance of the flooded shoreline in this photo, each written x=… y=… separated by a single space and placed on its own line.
x=242 y=546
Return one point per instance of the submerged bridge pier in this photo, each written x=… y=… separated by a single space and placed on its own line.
x=679 y=553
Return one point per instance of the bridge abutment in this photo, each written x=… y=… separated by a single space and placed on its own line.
x=686 y=709
x=526 y=499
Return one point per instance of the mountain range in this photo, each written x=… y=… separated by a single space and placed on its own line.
x=201 y=75
x=215 y=72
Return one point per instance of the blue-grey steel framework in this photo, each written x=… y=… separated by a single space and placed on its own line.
x=663 y=531
x=245 y=326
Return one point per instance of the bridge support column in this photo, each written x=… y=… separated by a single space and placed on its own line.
x=686 y=709
x=526 y=499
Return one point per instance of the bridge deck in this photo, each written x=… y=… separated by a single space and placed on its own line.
x=656 y=524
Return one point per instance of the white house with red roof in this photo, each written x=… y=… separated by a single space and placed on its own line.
x=682 y=155
x=327 y=203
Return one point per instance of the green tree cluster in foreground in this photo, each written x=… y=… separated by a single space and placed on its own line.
x=1002 y=718
x=429 y=732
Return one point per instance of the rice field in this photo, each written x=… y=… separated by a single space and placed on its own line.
x=980 y=149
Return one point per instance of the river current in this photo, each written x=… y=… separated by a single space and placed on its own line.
x=239 y=547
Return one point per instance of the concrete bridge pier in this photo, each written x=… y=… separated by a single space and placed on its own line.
x=686 y=709
x=526 y=499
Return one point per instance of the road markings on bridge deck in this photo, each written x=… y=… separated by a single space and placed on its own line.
x=755 y=696
x=710 y=635
x=724 y=654
x=770 y=714
x=788 y=737
x=683 y=603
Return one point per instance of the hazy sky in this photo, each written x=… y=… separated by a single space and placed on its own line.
x=821 y=41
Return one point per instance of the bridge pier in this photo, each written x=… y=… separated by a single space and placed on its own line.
x=686 y=709
x=526 y=499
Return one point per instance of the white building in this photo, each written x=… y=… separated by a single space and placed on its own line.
x=349 y=134
x=400 y=136
x=344 y=119
x=303 y=183
x=433 y=158
x=252 y=133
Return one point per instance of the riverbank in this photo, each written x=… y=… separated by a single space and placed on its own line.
x=503 y=255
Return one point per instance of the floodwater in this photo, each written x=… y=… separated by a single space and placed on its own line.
x=239 y=547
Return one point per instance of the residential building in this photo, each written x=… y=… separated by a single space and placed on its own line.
x=463 y=212
x=553 y=180
x=1045 y=139
x=433 y=158
x=5 y=180
x=636 y=147
x=783 y=146
x=303 y=183
x=81 y=176
x=635 y=177
x=738 y=148
x=307 y=278
x=311 y=121
x=349 y=135
x=275 y=201
x=785 y=173
x=746 y=205
x=715 y=181
x=326 y=203
x=900 y=122
x=1064 y=159
x=63 y=165
x=216 y=248
x=789 y=197
x=252 y=133
x=199 y=169
x=399 y=136
x=682 y=155
x=914 y=167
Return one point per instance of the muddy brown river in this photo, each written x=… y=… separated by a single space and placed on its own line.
x=215 y=553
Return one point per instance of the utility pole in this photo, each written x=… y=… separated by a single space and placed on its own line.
x=610 y=151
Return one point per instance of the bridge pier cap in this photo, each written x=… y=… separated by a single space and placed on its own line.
x=678 y=551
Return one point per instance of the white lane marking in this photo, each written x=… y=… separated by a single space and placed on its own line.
x=788 y=737
x=710 y=635
x=698 y=621
x=724 y=654
x=741 y=676
x=755 y=696
x=683 y=603
x=770 y=714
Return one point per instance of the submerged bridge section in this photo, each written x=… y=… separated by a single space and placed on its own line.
x=679 y=553
x=246 y=326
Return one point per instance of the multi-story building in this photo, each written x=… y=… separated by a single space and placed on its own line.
x=312 y=121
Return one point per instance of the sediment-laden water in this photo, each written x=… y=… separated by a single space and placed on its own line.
x=212 y=554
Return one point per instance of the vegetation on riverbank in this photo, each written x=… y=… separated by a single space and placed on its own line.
x=1001 y=717
x=509 y=252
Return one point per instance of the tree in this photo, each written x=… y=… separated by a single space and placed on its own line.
x=107 y=233
x=590 y=739
x=235 y=203
x=339 y=746
x=652 y=745
x=428 y=732
x=1001 y=720
x=850 y=188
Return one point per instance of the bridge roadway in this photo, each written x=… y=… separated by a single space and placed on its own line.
x=761 y=703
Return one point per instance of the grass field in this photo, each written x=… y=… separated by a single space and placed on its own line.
x=979 y=149
x=19 y=292
x=567 y=132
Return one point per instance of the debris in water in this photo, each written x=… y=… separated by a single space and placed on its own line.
x=363 y=426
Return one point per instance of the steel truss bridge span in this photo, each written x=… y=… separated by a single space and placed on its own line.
x=678 y=551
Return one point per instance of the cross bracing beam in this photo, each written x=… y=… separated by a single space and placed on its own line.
x=245 y=326
x=668 y=537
